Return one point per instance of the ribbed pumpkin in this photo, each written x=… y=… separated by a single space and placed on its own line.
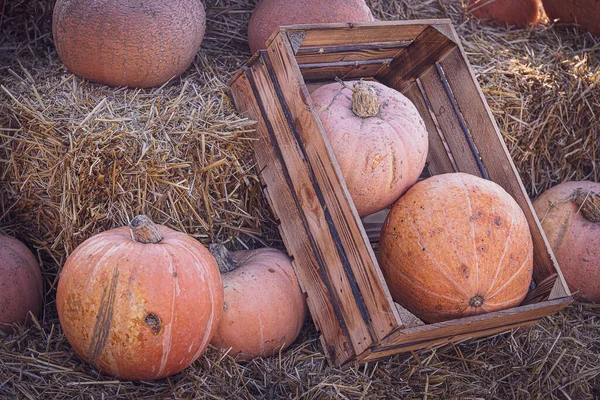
x=585 y=13
x=21 y=288
x=520 y=13
x=378 y=138
x=456 y=245
x=128 y=42
x=264 y=306
x=570 y=216
x=270 y=14
x=140 y=302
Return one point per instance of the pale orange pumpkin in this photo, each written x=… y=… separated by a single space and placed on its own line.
x=270 y=14
x=519 y=13
x=570 y=216
x=140 y=302
x=21 y=288
x=264 y=307
x=127 y=42
x=456 y=245
x=378 y=138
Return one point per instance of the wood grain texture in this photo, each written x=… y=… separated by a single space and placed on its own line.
x=325 y=312
x=335 y=199
x=343 y=70
x=361 y=52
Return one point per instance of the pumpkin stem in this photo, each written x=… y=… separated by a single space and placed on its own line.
x=143 y=230
x=223 y=258
x=364 y=99
x=588 y=203
x=476 y=301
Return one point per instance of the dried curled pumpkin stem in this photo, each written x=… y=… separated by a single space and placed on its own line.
x=365 y=103
x=143 y=230
x=223 y=258
x=588 y=203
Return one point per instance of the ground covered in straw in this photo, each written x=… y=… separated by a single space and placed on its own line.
x=78 y=158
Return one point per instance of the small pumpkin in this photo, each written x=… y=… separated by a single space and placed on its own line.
x=21 y=287
x=570 y=216
x=271 y=14
x=585 y=13
x=264 y=307
x=128 y=43
x=456 y=245
x=378 y=138
x=140 y=302
x=520 y=13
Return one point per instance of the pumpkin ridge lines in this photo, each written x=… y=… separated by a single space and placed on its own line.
x=104 y=319
x=471 y=224
x=457 y=286
x=524 y=263
x=213 y=312
x=169 y=326
x=460 y=259
x=507 y=241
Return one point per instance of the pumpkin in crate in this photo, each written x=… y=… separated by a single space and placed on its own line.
x=21 y=287
x=520 y=13
x=264 y=307
x=128 y=43
x=456 y=245
x=378 y=138
x=270 y=14
x=140 y=302
x=570 y=216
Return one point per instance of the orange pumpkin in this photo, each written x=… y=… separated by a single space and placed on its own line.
x=140 y=302
x=585 y=13
x=128 y=43
x=456 y=245
x=21 y=288
x=570 y=216
x=264 y=307
x=378 y=138
x=520 y=13
x=271 y=14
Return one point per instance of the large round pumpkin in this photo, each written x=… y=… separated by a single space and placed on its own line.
x=570 y=216
x=270 y=14
x=21 y=288
x=140 y=302
x=456 y=245
x=264 y=307
x=128 y=43
x=520 y=13
x=585 y=13
x=378 y=138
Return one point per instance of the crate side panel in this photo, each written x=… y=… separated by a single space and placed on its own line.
x=335 y=197
x=325 y=313
x=342 y=70
x=341 y=53
x=496 y=157
x=306 y=192
x=447 y=329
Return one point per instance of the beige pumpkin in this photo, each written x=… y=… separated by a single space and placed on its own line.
x=378 y=138
x=456 y=245
x=570 y=216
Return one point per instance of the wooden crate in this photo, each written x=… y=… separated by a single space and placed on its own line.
x=335 y=263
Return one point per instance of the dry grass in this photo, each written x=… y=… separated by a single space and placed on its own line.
x=183 y=156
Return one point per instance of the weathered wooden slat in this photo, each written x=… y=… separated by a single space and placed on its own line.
x=439 y=157
x=496 y=157
x=361 y=261
x=404 y=339
x=342 y=70
x=326 y=314
x=416 y=59
x=361 y=52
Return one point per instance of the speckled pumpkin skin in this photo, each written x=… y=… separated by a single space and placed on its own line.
x=128 y=42
x=519 y=13
x=574 y=240
x=380 y=157
x=451 y=238
x=140 y=311
x=21 y=288
x=586 y=13
x=270 y=14
x=264 y=306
